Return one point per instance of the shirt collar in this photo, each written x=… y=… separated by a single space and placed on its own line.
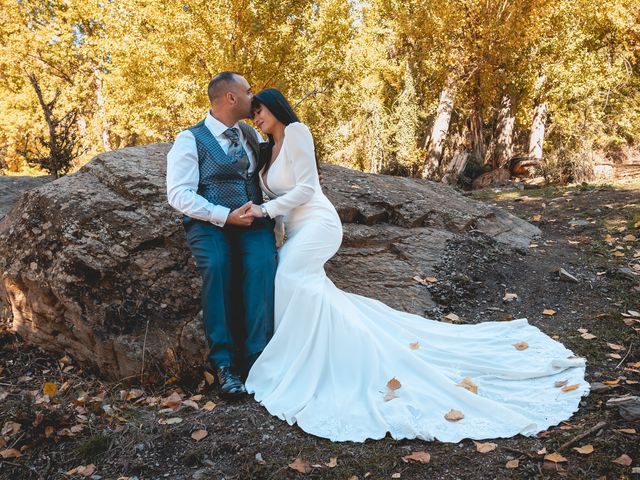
x=216 y=126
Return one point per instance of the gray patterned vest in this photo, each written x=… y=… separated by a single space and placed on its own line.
x=223 y=180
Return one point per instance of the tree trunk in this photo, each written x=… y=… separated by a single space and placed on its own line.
x=536 y=138
x=102 y=113
x=456 y=166
x=501 y=147
x=475 y=135
x=439 y=131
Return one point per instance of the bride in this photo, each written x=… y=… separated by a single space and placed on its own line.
x=346 y=367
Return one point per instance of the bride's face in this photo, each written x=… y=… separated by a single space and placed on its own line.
x=264 y=119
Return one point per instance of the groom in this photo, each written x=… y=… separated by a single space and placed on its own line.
x=212 y=178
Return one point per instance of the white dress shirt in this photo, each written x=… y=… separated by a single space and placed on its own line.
x=183 y=172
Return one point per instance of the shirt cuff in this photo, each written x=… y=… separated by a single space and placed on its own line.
x=219 y=215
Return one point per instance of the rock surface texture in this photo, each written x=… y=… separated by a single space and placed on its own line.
x=95 y=264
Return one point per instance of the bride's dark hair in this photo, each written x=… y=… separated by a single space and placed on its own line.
x=277 y=105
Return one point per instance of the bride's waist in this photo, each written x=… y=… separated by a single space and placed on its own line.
x=318 y=205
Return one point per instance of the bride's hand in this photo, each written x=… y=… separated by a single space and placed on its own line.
x=254 y=211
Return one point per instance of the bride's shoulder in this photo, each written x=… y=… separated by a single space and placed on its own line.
x=297 y=128
x=298 y=131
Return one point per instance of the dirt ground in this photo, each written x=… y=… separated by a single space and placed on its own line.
x=114 y=431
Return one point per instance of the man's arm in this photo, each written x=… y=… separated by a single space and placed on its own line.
x=183 y=174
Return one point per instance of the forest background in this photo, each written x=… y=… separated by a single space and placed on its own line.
x=387 y=86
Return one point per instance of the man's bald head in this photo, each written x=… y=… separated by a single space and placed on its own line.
x=221 y=84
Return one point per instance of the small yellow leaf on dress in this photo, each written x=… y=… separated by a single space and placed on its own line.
x=454 y=415
x=570 y=388
x=414 y=345
x=394 y=384
x=521 y=345
x=390 y=395
x=468 y=384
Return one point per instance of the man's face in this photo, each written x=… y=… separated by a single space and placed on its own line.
x=243 y=96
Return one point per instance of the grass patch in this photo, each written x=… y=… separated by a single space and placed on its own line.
x=92 y=448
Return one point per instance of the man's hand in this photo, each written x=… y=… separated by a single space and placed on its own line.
x=239 y=216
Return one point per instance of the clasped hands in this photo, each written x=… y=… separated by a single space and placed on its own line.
x=244 y=215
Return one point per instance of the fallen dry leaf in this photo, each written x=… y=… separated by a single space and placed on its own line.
x=173 y=401
x=209 y=378
x=588 y=336
x=612 y=382
x=10 y=428
x=521 y=345
x=630 y=431
x=300 y=465
x=570 y=388
x=10 y=453
x=584 y=450
x=48 y=431
x=468 y=384
x=396 y=475
x=394 y=384
x=513 y=463
x=452 y=317
x=454 y=415
x=629 y=238
x=390 y=395
x=420 y=457
x=414 y=345
x=614 y=346
x=50 y=389
x=509 y=297
x=209 y=406
x=549 y=311
x=170 y=421
x=485 y=447
x=199 y=435
x=623 y=459
x=333 y=462
x=536 y=217
x=555 y=458
x=191 y=403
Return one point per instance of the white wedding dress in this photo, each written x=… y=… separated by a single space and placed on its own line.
x=332 y=353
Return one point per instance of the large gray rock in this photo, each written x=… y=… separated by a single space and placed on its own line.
x=96 y=264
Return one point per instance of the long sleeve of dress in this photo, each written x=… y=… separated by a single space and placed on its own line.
x=300 y=152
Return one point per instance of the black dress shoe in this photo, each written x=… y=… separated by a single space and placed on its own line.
x=229 y=385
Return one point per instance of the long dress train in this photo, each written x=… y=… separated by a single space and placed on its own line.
x=327 y=366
